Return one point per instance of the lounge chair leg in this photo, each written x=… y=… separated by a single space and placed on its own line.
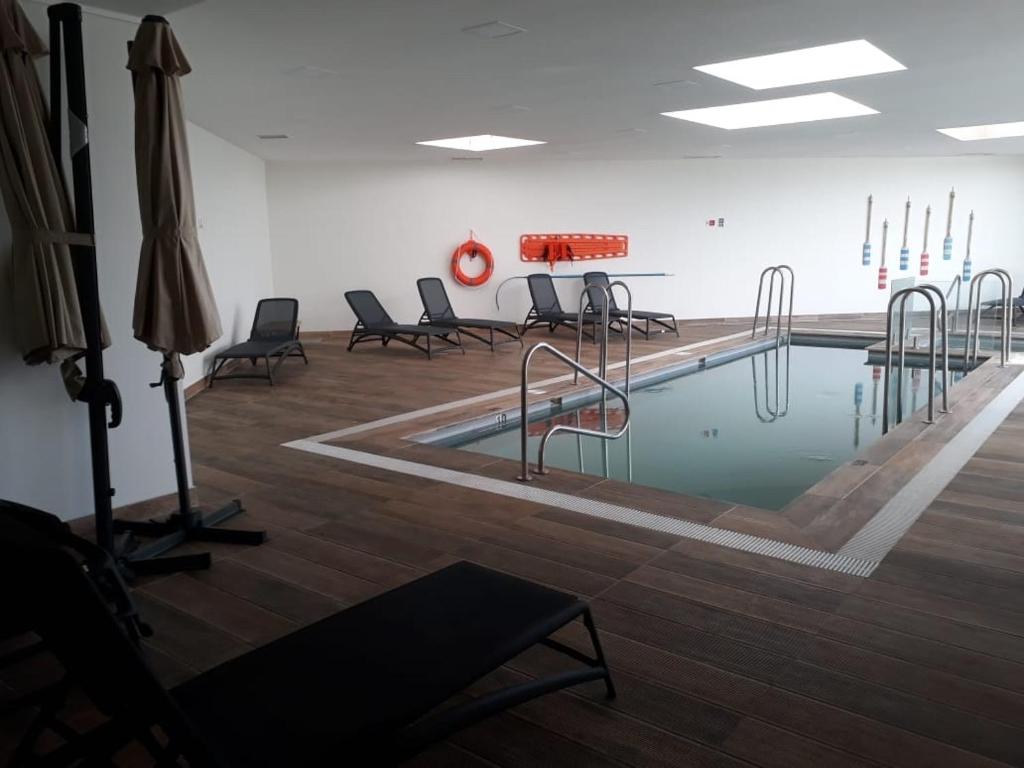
x=588 y=621
x=270 y=375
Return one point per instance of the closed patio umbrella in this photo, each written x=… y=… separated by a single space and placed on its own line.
x=55 y=296
x=47 y=319
x=175 y=312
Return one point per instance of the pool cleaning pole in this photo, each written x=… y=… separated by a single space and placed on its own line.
x=924 y=248
x=947 y=244
x=866 y=257
x=904 y=250
x=967 y=258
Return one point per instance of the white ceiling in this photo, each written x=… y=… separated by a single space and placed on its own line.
x=583 y=76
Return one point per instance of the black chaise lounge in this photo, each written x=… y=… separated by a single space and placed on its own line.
x=438 y=311
x=275 y=333
x=359 y=688
x=1017 y=302
x=15 y=624
x=547 y=309
x=596 y=296
x=373 y=323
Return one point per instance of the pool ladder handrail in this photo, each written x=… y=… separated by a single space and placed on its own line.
x=1005 y=327
x=902 y=297
x=599 y=378
x=771 y=272
x=602 y=370
x=956 y=282
x=770 y=414
x=943 y=314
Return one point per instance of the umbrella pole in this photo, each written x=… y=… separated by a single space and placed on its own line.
x=186 y=523
x=98 y=392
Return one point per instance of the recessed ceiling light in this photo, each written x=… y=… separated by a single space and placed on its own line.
x=272 y=136
x=807 y=65
x=796 y=109
x=481 y=143
x=978 y=132
x=492 y=30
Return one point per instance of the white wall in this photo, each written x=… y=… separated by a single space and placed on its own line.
x=231 y=207
x=44 y=448
x=339 y=227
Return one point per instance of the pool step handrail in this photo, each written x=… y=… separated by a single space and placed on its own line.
x=602 y=366
x=606 y=387
x=780 y=271
x=902 y=297
x=973 y=330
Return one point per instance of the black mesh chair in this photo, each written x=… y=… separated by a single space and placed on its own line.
x=438 y=311
x=21 y=524
x=373 y=323
x=547 y=309
x=275 y=333
x=596 y=296
x=357 y=688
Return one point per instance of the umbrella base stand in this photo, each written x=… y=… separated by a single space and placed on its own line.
x=177 y=529
x=186 y=525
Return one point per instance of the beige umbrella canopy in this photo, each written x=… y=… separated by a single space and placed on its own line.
x=175 y=311
x=46 y=313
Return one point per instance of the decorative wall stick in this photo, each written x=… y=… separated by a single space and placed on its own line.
x=947 y=244
x=967 y=258
x=924 y=247
x=904 y=249
x=883 y=271
x=866 y=256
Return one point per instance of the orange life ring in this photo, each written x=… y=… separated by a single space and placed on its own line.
x=472 y=249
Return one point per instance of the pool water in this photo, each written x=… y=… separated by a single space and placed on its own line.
x=732 y=432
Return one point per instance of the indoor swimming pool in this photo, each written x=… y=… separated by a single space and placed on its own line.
x=759 y=430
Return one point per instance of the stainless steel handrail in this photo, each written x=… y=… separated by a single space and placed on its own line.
x=524 y=416
x=778 y=412
x=945 y=342
x=771 y=272
x=956 y=282
x=902 y=296
x=971 y=350
x=602 y=366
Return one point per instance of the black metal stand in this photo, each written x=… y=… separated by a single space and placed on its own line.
x=187 y=523
x=98 y=392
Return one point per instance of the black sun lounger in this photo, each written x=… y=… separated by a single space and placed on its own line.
x=596 y=296
x=373 y=323
x=437 y=310
x=275 y=333
x=359 y=688
x=547 y=309
x=49 y=700
x=1017 y=302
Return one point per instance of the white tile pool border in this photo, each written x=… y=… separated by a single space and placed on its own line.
x=860 y=556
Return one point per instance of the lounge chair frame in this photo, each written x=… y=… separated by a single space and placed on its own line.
x=547 y=309
x=197 y=719
x=261 y=347
x=387 y=330
x=444 y=316
x=665 y=320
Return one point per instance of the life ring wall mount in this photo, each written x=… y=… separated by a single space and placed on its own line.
x=473 y=249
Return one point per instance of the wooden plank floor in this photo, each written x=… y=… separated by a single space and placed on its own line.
x=722 y=658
